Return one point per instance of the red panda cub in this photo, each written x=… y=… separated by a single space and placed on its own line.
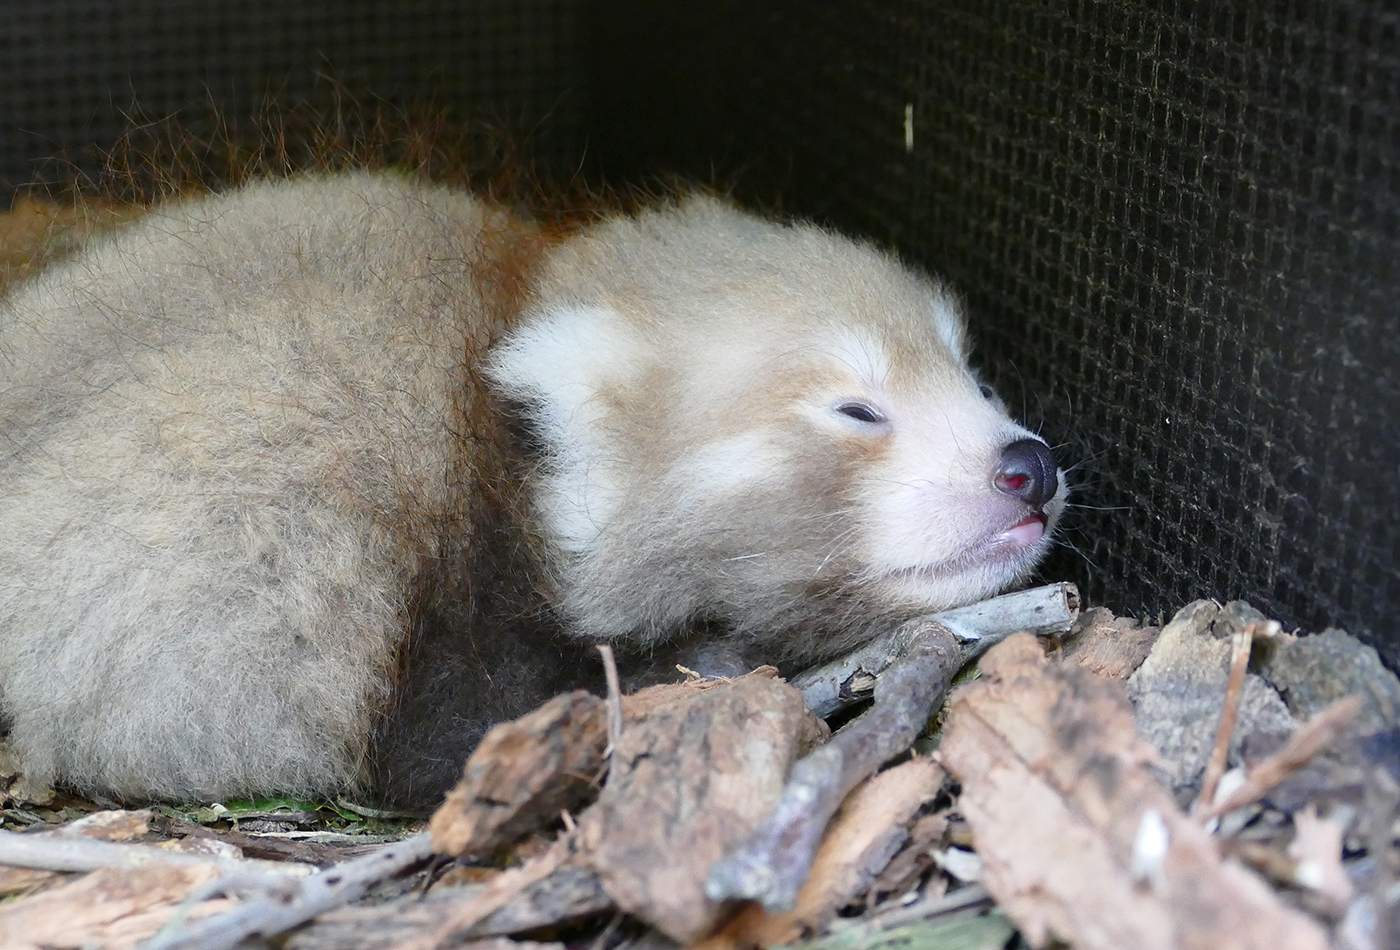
x=304 y=484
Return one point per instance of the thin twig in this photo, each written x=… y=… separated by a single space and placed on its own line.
x=1314 y=736
x=502 y=889
x=302 y=900
x=1240 y=645
x=46 y=852
x=614 y=701
x=972 y=895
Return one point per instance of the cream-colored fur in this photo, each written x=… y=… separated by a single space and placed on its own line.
x=233 y=434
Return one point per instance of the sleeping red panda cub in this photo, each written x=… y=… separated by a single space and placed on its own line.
x=303 y=485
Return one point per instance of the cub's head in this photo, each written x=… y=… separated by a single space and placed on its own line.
x=767 y=427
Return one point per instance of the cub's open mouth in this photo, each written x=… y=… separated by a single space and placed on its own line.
x=1011 y=546
x=1028 y=530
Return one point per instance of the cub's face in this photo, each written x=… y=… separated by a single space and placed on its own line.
x=767 y=426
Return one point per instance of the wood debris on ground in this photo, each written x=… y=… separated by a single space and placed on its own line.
x=1212 y=782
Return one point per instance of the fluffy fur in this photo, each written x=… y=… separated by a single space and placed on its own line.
x=275 y=462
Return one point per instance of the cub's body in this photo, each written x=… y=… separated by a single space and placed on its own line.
x=282 y=465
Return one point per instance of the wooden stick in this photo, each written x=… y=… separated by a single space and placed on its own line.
x=972 y=895
x=1240 y=645
x=1042 y=611
x=773 y=864
x=912 y=670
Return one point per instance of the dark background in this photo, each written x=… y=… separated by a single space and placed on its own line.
x=1176 y=225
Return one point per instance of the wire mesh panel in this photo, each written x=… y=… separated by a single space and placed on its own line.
x=1196 y=210
x=1177 y=227
x=76 y=74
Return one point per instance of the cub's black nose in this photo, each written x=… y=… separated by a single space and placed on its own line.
x=1028 y=472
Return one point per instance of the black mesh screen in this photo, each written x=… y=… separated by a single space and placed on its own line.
x=1177 y=227
x=75 y=73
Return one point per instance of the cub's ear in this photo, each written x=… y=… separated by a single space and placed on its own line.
x=948 y=317
x=570 y=367
x=559 y=360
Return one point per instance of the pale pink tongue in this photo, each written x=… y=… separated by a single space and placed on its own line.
x=1026 y=531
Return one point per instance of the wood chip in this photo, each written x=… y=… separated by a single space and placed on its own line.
x=1077 y=840
x=925 y=837
x=523 y=774
x=1317 y=847
x=114 y=825
x=114 y=908
x=688 y=784
x=22 y=882
x=1109 y=646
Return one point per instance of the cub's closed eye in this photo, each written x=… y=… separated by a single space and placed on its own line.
x=860 y=412
x=987 y=391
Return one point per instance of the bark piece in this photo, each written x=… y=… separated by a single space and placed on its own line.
x=1177 y=695
x=113 y=908
x=911 y=863
x=1313 y=672
x=687 y=785
x=1077 y=839
x=25 y=881
x=523 y=774
x=1109 y=646
x=908 y=673
x=113 y=825
x=503 y=889
x=865 y=835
